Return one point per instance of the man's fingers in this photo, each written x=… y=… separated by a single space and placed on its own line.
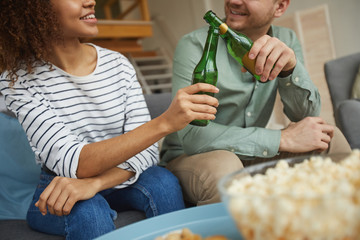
x=326 y=138
x=328 y=130
x=318 y=120
x=323 y=146
x=257 y=46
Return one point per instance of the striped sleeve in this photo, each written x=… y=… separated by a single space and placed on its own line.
x=136 y=114
x=52 y=142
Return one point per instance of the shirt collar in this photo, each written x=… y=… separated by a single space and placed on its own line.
x=270 y=31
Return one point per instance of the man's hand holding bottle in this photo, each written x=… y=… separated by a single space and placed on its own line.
x=273 y=58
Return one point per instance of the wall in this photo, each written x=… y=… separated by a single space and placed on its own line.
x=177 y=17
x=344 y=19
x=186 y=15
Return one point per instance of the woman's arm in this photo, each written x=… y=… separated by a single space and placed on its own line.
x=185 y=107
x=60 y=196
x=62 y=193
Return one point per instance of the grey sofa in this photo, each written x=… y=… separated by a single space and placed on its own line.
x=18 y=179
x=340 y=75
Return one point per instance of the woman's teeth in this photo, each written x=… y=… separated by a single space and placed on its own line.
x=91 y=16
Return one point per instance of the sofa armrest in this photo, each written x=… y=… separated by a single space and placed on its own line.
x=347 y=117
x=340 y=75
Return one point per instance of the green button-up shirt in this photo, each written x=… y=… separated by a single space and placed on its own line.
x=245 y=105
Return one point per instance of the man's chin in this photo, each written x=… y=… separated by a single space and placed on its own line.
x=235 y=25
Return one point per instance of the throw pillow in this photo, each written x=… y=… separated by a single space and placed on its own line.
x=355 y=93
x=19 y=173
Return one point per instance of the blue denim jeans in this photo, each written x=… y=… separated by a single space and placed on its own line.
x=157 y=191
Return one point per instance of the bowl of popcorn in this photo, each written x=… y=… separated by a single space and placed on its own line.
x=304 y=198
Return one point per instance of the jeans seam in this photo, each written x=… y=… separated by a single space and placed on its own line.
x=148 y=195
x=66 y=228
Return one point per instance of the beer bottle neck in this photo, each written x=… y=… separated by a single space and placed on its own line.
x=211 y=42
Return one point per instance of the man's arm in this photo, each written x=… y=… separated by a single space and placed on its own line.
x=249 y=141
x=281 y=56
x=299 y=95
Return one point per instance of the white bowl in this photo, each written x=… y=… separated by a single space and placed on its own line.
x=307 y=200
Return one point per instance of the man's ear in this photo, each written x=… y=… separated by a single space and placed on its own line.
x=280 y=7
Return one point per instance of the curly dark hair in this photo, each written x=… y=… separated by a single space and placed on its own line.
x=28 y=28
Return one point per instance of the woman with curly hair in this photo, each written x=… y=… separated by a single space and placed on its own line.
x=84 y=114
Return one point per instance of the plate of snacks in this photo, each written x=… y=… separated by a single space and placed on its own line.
x=187 y=234
x=207 y=222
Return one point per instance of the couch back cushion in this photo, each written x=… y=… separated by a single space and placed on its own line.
x=355 y=92
x=19 y=173
x=157 y=103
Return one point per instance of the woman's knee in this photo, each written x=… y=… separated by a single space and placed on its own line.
x=93 y=216
x=87 y=220
x=162 y=191
x=159 y=180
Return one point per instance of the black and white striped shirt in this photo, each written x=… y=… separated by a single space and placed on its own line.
x=61 y=113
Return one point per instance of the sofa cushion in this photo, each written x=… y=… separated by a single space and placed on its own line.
x=3 y=108
x=19 y=172
x=355 y=93
x=348 y=115
x=157 y=103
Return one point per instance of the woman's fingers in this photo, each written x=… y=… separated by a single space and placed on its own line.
x=204 y=99
x=43 y=199
x=200 y=87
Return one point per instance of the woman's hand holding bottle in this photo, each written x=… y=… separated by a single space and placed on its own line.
x=187 y=106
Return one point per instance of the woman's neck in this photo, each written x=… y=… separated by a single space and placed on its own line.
x=74 y=58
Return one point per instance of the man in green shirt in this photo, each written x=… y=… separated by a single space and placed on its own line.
x=200 y=156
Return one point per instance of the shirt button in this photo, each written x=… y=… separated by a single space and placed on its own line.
x=288 y=84
x=296 y=79
x=265 y=153
x=248 y=114
x=232 y=150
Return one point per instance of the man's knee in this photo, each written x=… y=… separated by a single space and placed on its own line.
x=222 y=162
x=339 y=143
x=214 y=164
x=199 y=174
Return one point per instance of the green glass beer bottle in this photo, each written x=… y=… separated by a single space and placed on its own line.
x=206 y=70
x=238 y=44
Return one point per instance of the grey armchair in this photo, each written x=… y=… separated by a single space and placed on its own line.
x=340 y=74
